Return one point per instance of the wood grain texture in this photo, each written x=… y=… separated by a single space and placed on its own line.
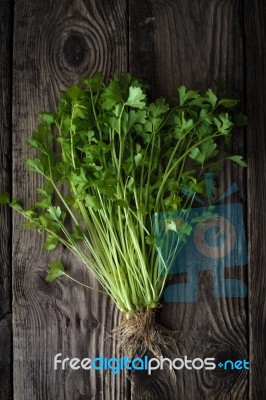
x=6 y=12
x=55 y=42
x=255 y=35
x=170 y=42
x=193 y=43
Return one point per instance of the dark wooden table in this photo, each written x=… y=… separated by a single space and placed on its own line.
x=45 y=46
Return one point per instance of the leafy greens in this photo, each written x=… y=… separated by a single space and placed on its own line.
x=110 y=160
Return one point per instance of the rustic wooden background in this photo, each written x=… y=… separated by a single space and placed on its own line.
x=46 y=45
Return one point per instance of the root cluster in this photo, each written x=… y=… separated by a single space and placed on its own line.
x=139 y=333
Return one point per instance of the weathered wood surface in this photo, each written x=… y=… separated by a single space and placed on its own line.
x=6 y=12
x=54 y=44
x=164 y=42
x=255 y=15
x=194 y=43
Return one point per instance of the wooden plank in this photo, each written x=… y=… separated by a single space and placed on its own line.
x=173 y=42
x=255 y=34
x=6 y=11
x=54 y=44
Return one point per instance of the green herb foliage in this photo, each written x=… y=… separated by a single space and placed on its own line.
x=110 y=160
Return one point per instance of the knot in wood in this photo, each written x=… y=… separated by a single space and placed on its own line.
x=74 y=50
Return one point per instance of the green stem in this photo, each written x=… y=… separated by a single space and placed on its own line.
x=86 y=286
x=175 y=164
x=71 y=138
